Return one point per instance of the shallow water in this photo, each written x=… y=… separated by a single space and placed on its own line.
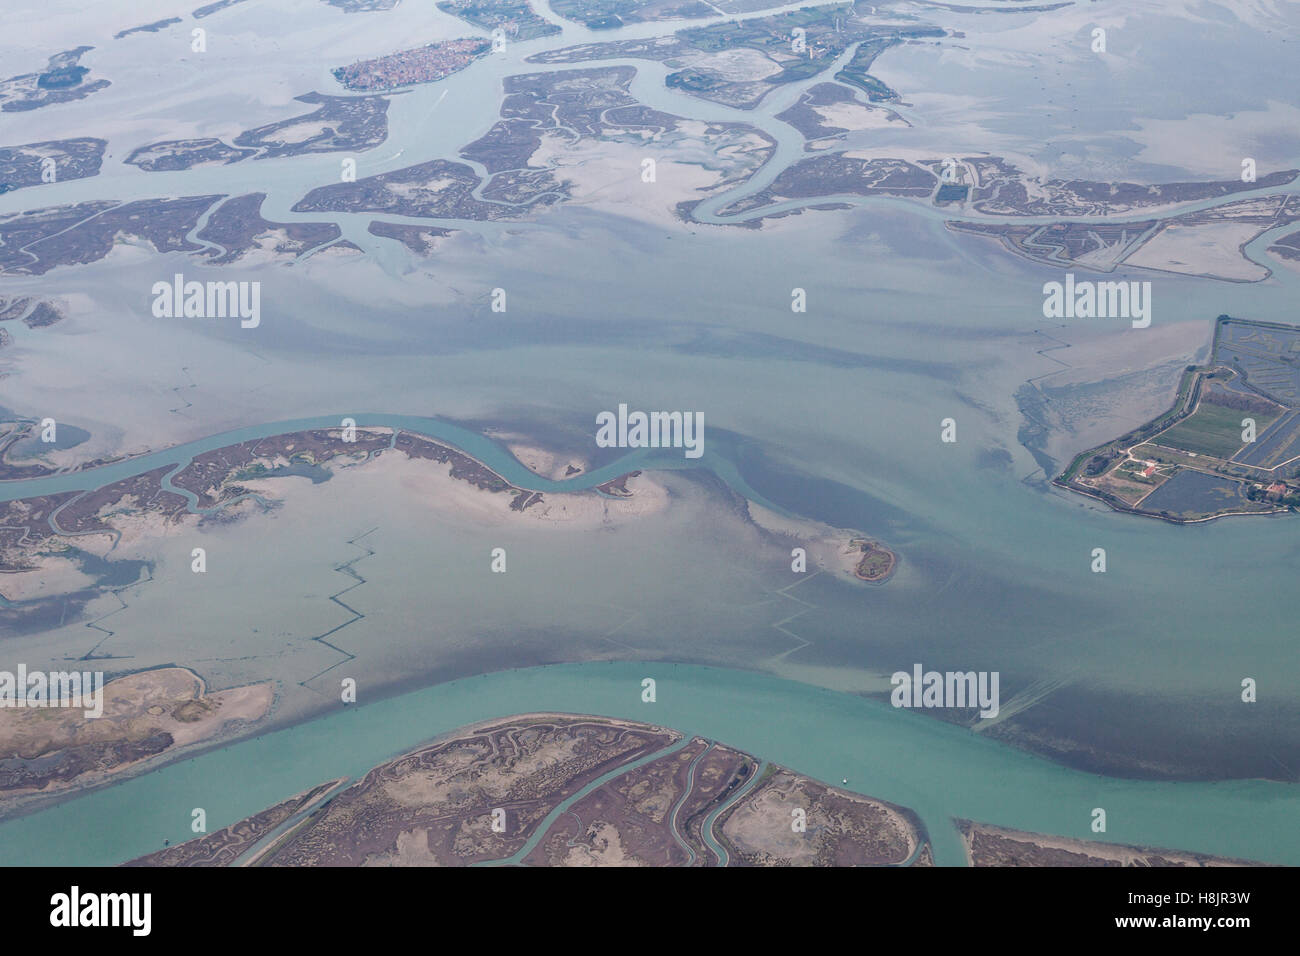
x=833 y=414
x=938 y=770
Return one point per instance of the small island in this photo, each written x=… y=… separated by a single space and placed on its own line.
x=877 y=563
x=426 y=64
x=62 y=81
x=1230 y=445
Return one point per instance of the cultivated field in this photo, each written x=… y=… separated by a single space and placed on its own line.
x=1212 y=430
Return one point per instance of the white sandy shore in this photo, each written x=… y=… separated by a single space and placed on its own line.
x=855 y=117
x=828 y=548
x=137 y=534
x=173 y=700
x=607 y=174
x=428 y=484
x=50 y=575
x=1203 y=249
x=546 y=463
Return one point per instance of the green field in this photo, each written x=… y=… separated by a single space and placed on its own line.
x=1212 y=430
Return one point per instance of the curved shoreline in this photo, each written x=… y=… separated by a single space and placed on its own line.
x=95 y=475
x=949 y=775
x=214 y=484
x=210 y=476
x=869 y=550
x=1088 y=471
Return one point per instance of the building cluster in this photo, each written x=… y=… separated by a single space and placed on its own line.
x=422 y=65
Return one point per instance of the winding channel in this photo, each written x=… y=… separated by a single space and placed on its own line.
x=938 y=770
x=562 y=808
x=476 y=445
x=706 y=830
x=422 y=127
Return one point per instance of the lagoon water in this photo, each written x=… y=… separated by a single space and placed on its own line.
x=936 y=769
x=833 y=414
